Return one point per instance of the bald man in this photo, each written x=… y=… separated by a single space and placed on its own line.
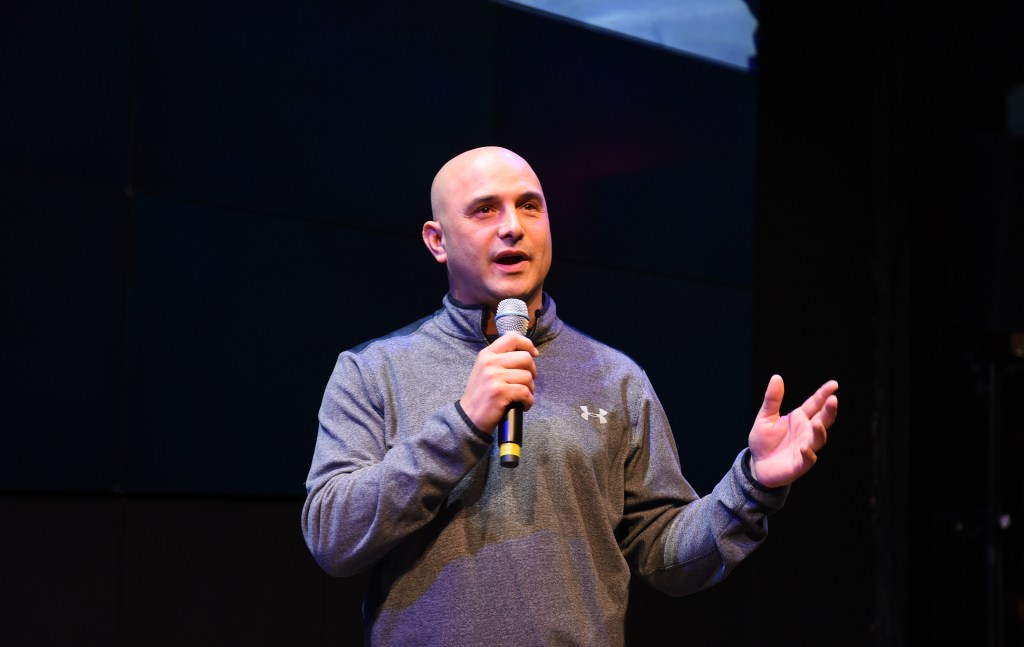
x=405 y=480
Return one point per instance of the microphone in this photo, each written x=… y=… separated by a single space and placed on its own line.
x=512 y=316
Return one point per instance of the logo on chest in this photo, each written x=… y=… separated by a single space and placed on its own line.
x=601 y=414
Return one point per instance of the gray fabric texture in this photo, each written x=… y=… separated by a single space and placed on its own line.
x=463 y=551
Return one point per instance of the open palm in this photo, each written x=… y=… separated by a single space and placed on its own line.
x=784 y=447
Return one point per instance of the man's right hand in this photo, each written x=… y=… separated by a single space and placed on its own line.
x=503 y=374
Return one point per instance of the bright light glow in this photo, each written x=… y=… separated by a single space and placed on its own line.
x=720 y=30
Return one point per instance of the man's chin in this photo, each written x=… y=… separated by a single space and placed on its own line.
x=523 y=295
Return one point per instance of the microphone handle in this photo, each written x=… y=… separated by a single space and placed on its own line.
x=510 y=436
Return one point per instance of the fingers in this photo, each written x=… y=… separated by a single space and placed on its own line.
x=820 y=423
x=511 y=351
x=829 y=411
x=511 y=342
x=772 y=398
x=823 y=401
x=785 y=447
x=502 y=374
x=809 y=456
x=819 y=434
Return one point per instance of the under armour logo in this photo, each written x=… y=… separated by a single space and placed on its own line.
x=600 y=415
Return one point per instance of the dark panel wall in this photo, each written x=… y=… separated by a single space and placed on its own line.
x=62 y=173
x=647 y=159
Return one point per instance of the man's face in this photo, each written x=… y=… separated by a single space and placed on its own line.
x=491 y=228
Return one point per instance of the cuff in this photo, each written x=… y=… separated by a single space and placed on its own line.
x=469 y=423
x=745 y=459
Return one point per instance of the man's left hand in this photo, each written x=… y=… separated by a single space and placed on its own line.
x=784 y=448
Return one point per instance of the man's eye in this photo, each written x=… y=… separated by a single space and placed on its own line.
x=484 y=209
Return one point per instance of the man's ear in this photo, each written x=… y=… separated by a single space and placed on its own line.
x=433 y=238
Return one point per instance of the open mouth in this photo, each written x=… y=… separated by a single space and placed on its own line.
x=510 y=258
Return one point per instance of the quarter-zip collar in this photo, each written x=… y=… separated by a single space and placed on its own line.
x=466 y=322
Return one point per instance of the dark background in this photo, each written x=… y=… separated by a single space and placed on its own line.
x=203 y=203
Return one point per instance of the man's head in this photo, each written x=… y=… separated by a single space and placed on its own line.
x=490 y=228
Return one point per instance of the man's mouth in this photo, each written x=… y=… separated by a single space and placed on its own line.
x=510 y=258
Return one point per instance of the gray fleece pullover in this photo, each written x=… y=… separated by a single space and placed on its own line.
x=466 y=552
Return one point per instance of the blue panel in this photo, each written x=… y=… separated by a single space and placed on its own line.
x=333 y=110
x=62 y=323
x=236 y=321
x=65 y=71
x=647 y=158
x=647 y=161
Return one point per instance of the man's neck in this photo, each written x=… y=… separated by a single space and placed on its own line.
x=532 y=306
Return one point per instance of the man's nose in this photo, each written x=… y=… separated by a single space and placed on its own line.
x=510 y=227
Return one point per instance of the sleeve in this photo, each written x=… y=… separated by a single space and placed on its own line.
x=362 y=497
x=674 y=540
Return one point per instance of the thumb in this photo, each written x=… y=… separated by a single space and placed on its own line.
x=772 y=398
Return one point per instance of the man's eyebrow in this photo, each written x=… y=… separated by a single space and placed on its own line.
x=477 y=202
x=528 y=196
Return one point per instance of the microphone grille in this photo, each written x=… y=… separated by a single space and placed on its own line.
x=512 y=316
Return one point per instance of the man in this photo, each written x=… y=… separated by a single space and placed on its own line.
x=405 y=479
